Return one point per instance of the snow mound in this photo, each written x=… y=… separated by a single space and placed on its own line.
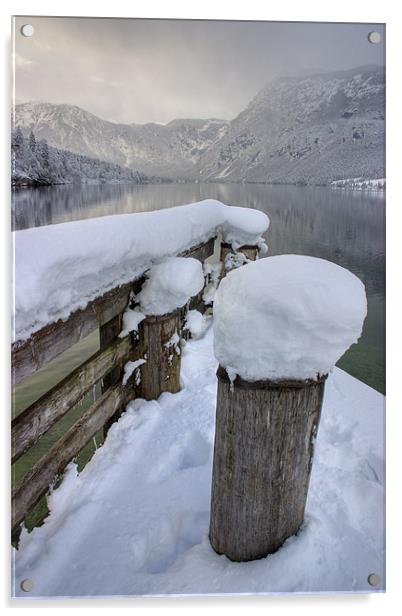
x=170 y=285
x=287 y=316
x=244 y=226
x=60 y=268
x=132 y=317
x=196 y=323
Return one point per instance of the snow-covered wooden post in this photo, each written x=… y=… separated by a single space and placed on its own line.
x=232 y=259
x=156 y=318
x=250 y=252
x=160 y=336
x=280 y=325
x=242 y=239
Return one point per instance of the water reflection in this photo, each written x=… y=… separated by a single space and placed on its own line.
x=347 y=227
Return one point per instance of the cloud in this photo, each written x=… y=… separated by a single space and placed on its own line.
x=144 y=70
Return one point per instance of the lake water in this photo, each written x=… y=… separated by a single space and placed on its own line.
x=342 y=226
x=347 y=227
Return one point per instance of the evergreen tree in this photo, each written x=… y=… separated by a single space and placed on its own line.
x=17 y=139
x=37 y=163
x=32 y=142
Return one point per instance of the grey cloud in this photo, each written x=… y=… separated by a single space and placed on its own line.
x=157 y=70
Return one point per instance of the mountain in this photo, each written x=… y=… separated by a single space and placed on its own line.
x=170 y=150
x=311 y=129
x=35 y=163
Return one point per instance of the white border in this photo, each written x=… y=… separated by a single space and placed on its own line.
x=303 y=10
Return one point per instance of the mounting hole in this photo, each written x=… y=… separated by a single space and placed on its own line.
x=373 y=579
x=26 y=585
x=27 y=30
x=374 y=37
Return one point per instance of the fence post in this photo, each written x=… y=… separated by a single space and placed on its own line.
x=160 y=340
x=264 y=439
x=228 y=254
x=280 y=325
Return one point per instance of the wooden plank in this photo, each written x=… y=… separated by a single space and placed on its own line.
x=201 y=251
x=36 y=482
x=262 y=461
x=29 y=426
x=47 y=343
x=107 y=334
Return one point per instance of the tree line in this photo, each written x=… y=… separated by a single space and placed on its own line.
x=34 y=162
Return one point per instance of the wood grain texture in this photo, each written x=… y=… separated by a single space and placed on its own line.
x=161 y=372
x=108 y=334
x=32 y=423
x=262 y=461
x=201 y=251
x=47 y=343
x=31 y=487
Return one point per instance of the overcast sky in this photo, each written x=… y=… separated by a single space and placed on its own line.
x=128 y=70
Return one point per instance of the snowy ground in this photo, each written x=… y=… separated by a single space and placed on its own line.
x=135 y=521
x=360 y=184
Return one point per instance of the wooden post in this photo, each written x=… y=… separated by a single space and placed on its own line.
x=250 y=252
x=160 y=336
x=264 y=442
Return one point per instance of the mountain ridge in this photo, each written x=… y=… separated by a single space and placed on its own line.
x=297 y=129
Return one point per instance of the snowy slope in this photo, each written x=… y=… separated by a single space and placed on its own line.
x=169 y=150
x=310 y=129
x=35 y=163
x=135 y=521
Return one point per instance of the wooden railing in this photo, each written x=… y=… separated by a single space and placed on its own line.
x=105 y=367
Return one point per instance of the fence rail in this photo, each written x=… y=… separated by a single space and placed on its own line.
x=105 y=366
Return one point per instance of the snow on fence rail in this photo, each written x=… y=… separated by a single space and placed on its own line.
x=73 y=278
x=61 y=268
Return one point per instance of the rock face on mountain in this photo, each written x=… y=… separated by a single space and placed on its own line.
x=310 y=129
x=300 y=130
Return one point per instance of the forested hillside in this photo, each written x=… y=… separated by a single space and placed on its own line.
x=34 y=162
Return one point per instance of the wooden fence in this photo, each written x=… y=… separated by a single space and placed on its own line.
x=105 y=367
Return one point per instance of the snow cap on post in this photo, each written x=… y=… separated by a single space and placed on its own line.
x=244 y=226
x=170 y=284
x=287 y=317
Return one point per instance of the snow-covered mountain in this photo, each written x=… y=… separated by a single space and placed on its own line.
x=170 y=150
x=310 y=129
x=35 y=163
